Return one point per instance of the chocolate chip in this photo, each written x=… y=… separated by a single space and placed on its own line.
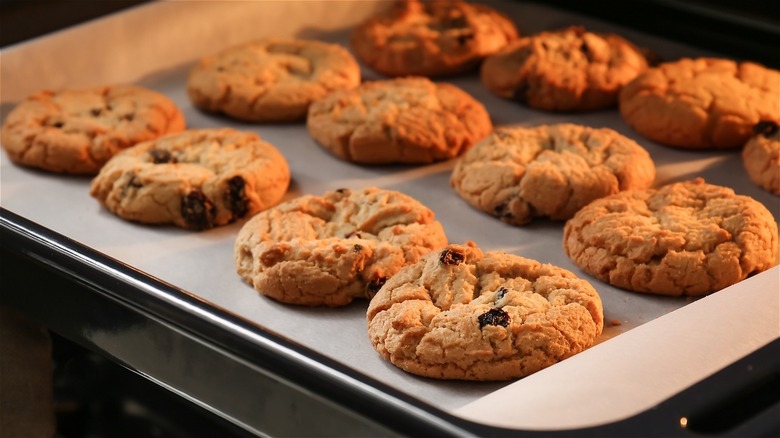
x=502 y=291
x=239 y=205
x=373 y=287
x=197 y=210
x=450 y=257
x=161 y=156
x=493 y=317
x=357 y=248
x=766 y=128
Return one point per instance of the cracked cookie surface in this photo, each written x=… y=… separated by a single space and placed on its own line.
x=431 y=38
x=271 y=80
x=761 y=156
x=463 y=314
x=77 y=130
x=518 y=173
x=565 y=70
x=405 y=120
x=197 y=179
x=701 y=103
x=328 y=250
x=689 y=238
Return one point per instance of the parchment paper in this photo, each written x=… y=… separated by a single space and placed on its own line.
x=654 y=352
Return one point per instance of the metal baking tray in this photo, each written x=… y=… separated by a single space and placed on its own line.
x=184 y=319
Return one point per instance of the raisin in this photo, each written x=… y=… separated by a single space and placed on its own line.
x=237 y=197
x=502 y=211
x=464 y=39
x=197 y=210
x=58 y=124
x=502 y=291
x=342 y=191
x=373 y=287
x=493 y=317
x=160 y=156
x=96 y=111
x=766 y=128
x=586 y=51
x=128 y=117
x=450 y=257
x=521 y=93
x=357 y=248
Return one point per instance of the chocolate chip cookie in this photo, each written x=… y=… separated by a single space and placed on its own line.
x=701 y=103
x=564 y=70
x=271 y=80
x=196 y=179
x=761 y=156
x=519 y=173
x=688 y=238
x=77 y=130
x=431 y=38
x=328 y=250
x=463 y=314
x=404 y=120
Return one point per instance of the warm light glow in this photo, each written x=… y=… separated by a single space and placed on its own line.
x=683 y=421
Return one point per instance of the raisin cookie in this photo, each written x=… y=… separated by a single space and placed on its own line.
x=271 y=80
x=404 y=120
x=431 y=38
x=518 y=173
x=77 y=130
x=462 y=314
x=328 y=250
x=701 y=103
x=196 y=179
x=761 y=156
x=689 y=238
x=565 y=70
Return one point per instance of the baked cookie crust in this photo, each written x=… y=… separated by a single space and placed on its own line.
x=701 y=103
x=197 y=179
x=761 y=156
x=328 y=250
x=77 y=130
x=431 y=38
x=404 y=120
x=688 y=238
x=463 y=314
x=518 y=173
x=271 y=80
x=565 y=70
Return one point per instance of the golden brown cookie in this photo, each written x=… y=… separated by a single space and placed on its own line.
x=328 y=250
x=688 y=238
x=462 y=314
x=518 y=173
x=564 y=70
x=431 y=38
x=77 y=130
x=405 y=120
x=271 y=80
x=195 y=179
x=761 y=156
x=701 y=103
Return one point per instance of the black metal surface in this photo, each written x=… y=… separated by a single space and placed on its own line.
x=95 y=301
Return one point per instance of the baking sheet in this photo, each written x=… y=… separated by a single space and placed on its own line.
x=155 y=45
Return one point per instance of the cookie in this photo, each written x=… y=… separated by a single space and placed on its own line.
x=431 y=38
x=761 y=156
x=463 y=314
x=688 y=238
x=271 y=80
x=77 y=130
x=404 y=120
x=328 y=250
x=701 y=103
x=519 y=173
x=564 y=70
x=196 y=179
